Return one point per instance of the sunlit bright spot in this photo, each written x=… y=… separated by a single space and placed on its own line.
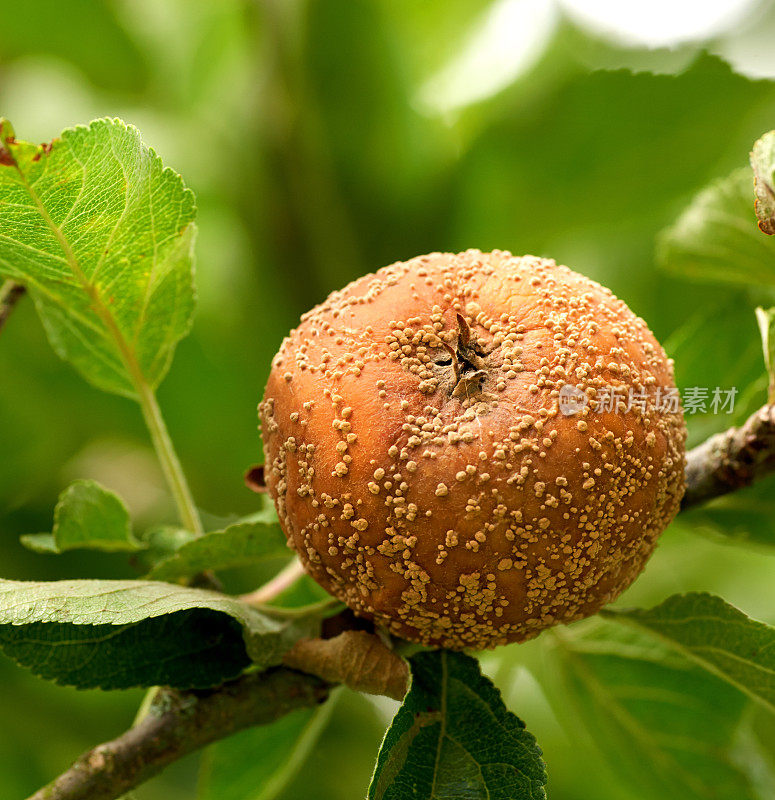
x=658 y=23
x=512 y=35
x=509 y=39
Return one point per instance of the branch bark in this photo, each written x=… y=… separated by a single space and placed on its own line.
x=10 y=294
x=731 y=460
x=180 y=723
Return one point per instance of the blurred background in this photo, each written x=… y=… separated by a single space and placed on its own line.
x=324 y=139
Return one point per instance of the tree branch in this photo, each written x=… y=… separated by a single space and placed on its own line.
x=731 y=460
x=10 y=294
x=180 y=723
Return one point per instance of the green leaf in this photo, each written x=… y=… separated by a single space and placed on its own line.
x=160 y=543
x=716 y=238
x=102 y=236
x=40 y=543
x=766 y=319
x=117 y=634
x=763 y=164
x=239 y=544
x=454 y=738
x=231 y=769
x=743 y=517
x=757 y=749
x=717 y=636
x=87 y=516
x=663 y=724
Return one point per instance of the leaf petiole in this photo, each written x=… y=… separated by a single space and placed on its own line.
x=282 y=581
x=170 y=463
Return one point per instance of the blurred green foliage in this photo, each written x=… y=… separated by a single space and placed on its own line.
x=300 y=125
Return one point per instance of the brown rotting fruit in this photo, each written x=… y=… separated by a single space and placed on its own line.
x=421 y=465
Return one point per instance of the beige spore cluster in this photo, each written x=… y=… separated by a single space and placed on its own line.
x=422 y=466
